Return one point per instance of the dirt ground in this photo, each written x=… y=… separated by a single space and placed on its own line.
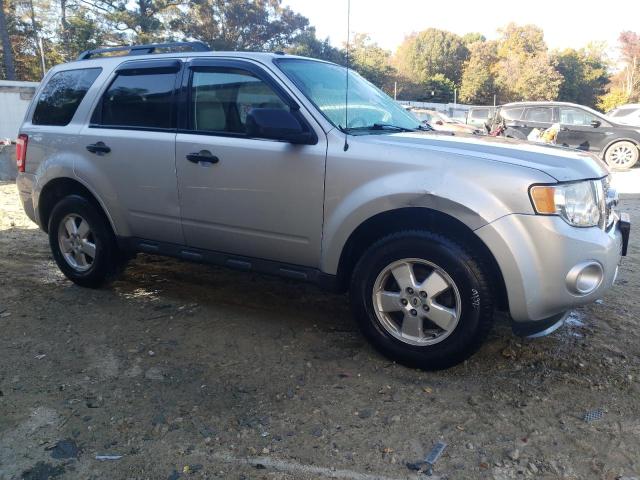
x=184 y=371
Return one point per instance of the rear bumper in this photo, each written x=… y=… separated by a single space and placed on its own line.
x=536 y=255
x=25 y=183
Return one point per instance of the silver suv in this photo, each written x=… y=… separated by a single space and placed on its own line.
x=252 y=161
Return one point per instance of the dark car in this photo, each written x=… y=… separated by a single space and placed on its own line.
x=580 y=127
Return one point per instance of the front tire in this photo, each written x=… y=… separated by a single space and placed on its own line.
x=82 y=243
x=622 y=155
x=422 y=299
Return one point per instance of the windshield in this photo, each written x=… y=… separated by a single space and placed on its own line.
x=324 y=84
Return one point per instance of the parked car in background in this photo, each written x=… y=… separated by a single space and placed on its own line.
x=443 y=123
x=628 y=114
x=480 y=117
x=580 y=127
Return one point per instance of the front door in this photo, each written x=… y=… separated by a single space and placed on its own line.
x=246 y=196
x=581 y=129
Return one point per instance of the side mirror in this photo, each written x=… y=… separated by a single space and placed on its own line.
x=595 y=123
x=276 y=124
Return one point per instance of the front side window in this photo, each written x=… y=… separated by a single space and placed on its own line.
x=142 y=100
x=575 y=116
x=61 y=96
x=325 y=85
x=539 y=114
x=221 y=98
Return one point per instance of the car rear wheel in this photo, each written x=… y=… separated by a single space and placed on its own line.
x=622 y=155
x=422 y=299
x=82 y=243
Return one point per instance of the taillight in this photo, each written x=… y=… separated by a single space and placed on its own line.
x=21 y=151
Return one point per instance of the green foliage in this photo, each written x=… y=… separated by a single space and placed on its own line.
x=524 y=70
x=431 y=52
x=612 y=99
x=478 y=83
x=241 y=24
x=584 y=75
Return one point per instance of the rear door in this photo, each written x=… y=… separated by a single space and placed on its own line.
x=129 y=145
x=258 y=198
x=582 y=130
x=540 y=117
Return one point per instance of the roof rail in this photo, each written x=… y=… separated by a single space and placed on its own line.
x=146 y=49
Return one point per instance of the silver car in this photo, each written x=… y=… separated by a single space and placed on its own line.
x=254 y=161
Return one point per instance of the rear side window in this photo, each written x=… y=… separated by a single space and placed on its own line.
x=61 y=96
x=138 y=101
x=511 y=113
x=539 y=114
x=480 y=114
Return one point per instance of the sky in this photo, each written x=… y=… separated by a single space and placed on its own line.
x=566 y=23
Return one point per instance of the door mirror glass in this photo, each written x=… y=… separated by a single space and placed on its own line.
x=595 y=123
x=276 y=124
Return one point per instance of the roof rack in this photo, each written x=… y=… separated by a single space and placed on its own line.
x=146 y=49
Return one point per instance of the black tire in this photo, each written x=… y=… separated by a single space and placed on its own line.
x=109 y=261
x=467 y=272
x=625 y=163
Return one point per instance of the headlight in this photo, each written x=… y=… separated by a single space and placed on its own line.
x=579 y=203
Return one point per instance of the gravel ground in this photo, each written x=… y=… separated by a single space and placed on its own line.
x=188 y=371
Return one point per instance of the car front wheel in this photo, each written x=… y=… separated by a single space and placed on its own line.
x=622 y=155
x=422 y=299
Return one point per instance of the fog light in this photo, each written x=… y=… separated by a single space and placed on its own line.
x=584 y=278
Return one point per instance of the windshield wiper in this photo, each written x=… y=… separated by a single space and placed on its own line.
x=381 y=126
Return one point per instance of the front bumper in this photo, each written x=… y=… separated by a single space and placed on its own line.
x=536 y=253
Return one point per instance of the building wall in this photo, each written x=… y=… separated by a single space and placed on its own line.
x=14 y=100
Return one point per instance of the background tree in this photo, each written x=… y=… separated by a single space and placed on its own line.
x=478 y=83
x=524 y=70
x=5 y=43
x=431 y=52
x=372 y=62
x=308 y=45
x=584 y=73
x=630 y=50
x=241 y=24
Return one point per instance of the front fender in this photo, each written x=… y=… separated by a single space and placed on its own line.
x=475 y=194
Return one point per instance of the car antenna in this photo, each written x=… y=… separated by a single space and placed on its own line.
x=346 y=93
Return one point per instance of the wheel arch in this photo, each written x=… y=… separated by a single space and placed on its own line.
x=58 y=188
x=406 y=218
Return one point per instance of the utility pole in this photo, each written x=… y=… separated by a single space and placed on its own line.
x=455 y=97
x=395 y=90
x=494 y=99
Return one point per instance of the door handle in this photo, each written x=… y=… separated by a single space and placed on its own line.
x=98 y=148
x=202 y=156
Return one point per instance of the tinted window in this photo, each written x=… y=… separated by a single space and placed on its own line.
x=575 y=116
x=511 y=113
x=144 y=100
x=61 y=96
x=481 y=114
x=539 y=114
x=221 y=99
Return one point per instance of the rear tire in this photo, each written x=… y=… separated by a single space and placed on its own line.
x=622 y=155
x=83 y=244
x=448 y=284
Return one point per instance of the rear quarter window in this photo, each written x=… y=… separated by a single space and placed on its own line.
x=61 y=96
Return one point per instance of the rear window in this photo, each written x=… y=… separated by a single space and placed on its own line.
x=61 y=96
x=621 y=112
x=138 y=101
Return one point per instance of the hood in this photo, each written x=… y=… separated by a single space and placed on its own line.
x=563 y=164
